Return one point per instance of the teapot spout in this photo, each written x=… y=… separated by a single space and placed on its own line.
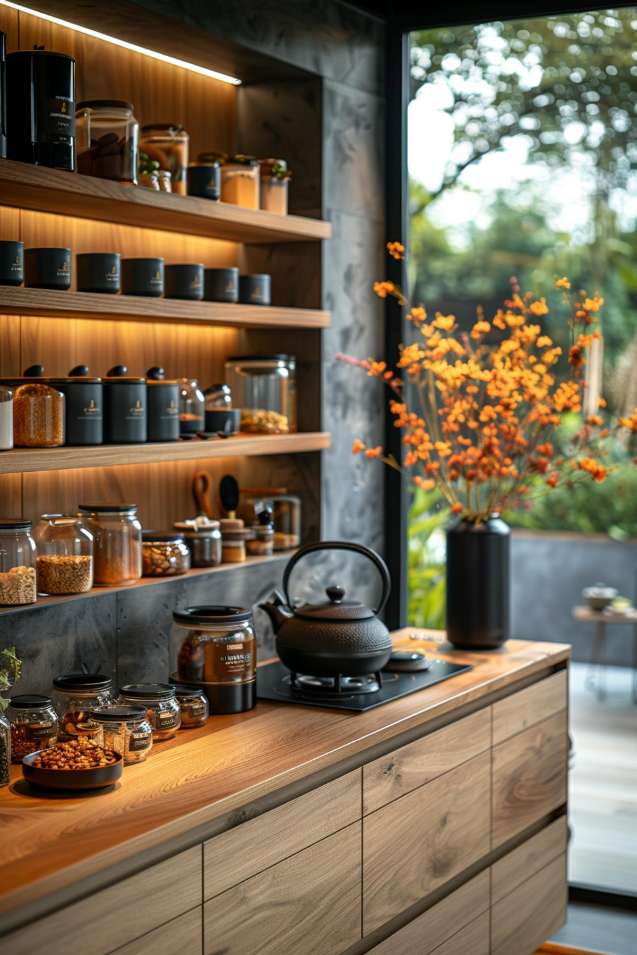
x=277 y=610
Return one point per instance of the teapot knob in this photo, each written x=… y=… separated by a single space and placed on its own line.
x=335 y=594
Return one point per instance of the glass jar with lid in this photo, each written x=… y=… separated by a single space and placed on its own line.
x=168 y=144
x=107 y=139
x=286 y=514
x=161 y=705
x=275 y=177
x=17 y=563
x=240 y=181
x=262 y=544
x=192 y=406
x=6 y=419
x=203 y=538
x=38 y=416
x=117 y=543
x=264 y=387
x=164 y=554
x=194 y=706
x=5 y=750
x=76 y=695
x=126 y=730
x=215 y=649
x=65 y=555
x=34 y=724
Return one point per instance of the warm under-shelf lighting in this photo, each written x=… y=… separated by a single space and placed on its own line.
x=164 y=57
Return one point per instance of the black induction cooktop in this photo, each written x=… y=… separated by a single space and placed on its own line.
x=358 y=694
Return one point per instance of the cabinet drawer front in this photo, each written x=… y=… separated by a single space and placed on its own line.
x=115 y=916
x=529 y=777
x=534 y=854
x=259 y=843
x=440 y=922
x=183 y=934
x=472 y=940
x=526 y=917
x=309 y=904
x=423 y=839
x=404 y=769
x=527 y=707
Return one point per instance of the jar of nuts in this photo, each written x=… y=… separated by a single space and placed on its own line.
x=76 y=694
x=34 y=724
x=125 y=730
x=161 y=705
x=17 y=563
x=164 y=554
x=65 y=555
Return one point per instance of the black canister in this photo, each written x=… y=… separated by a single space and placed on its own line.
x=84 y=421
x=11 y=263
x=3 y=96
x=221 y=285
x=124 y=407
x=41 y=108
x=255 y=289
x=98 y=272
x=183 y=281
x=162 y=396
x=204 y=180
x=143 y=277
x=47 y=268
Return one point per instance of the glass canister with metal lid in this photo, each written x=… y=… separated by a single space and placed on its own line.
x=264 y=387
x=168 y=144
x=76 y=695
x=162 y=707
x=6 y=419
x=34 y=724
x=117 y=542
x=126 y=730
x=107 y=140
x=194 y=705
x=203 y=539
x=215 y=649
x=65 y=555
x=17 y=563
x=240 y=181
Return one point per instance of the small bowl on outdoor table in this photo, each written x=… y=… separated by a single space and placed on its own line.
x=599 y=597
x=90 y=777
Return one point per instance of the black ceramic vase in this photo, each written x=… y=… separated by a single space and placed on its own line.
x=478 y=583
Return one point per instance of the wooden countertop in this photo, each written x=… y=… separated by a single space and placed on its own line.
x=50 y=844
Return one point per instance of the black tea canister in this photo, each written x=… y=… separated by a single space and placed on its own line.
x=162 y=396
x=125 y=416
x=41 y=108
x=255 y=289
x=11 y=263
x=204 y=180
x=84 y=414
x=183 y=281
x=98 y=272
x=47 y=268
x=221 y=285
x=143 y=277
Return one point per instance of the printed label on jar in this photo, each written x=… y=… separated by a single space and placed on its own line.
x=194 y=707
x=166 y=719
x=138 y=742
x=42 y=730
x=61 y=117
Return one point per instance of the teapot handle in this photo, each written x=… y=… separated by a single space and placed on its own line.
x=371 y=555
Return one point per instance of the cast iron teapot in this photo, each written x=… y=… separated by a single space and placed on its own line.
x=337 y=636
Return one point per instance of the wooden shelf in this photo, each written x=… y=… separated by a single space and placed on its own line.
x=109 y=455
x=55 y=303
x=66 y=193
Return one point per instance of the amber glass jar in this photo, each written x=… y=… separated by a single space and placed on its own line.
x=107 y=135
x=38 y=416
x=65 y=555
x=76 y=695
x=168 y=144
x=34 y=725
x=117 y=542
x=194 y=706
x=240 y=181
x=17 y=563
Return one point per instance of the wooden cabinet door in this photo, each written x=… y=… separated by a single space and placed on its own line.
x=524 y=708
x=528 y=916
x=309 y=904
x=182 y=936
x=424 y=839
x=524 y=861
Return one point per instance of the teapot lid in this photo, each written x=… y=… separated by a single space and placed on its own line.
x=334 y=608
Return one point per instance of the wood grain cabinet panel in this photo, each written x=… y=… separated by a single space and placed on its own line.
x=309 y=904
x=182 y=936
x=529 y=777
x=534 y=854
x=423 y=839
x=526 y=917
x=429 y=930
x=471 y=940
x=537 y=702
x=112 y=918
x=255 y=845
x=405 y=769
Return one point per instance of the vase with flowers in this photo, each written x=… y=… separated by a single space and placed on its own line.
x=479 y=409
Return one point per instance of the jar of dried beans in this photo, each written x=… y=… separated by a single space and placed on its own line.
x=17 y=563
x=161 y=705
x=65 y=555
x=38 y=416
x=107 y=140
x=34 y=725
x=164 y=554
x=117 y=542
x=76 y=695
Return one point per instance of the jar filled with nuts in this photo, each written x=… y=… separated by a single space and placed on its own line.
x=125 y=730
x=34 y=724
x=164 y=554
x=76 y=694
x=161 y=705
x=17 y=563
x=65 y=555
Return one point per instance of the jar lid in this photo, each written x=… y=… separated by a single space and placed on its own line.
x=208 y=163
x=118 y=374
x=104 y=104
x=160 y=537
x=82 y=681
x=39 y=390
x=211 y=615
x=257 y=358
x=30 y=701
x=239 y=159
x=28 y=54
x=82 y=372
x=149 y=691
x=189 y=692
x=275 y=169
x=212 y=157
x=107 y=508
x=14 y=524
x=164 y=127
x=157 y=376
x=117 y=713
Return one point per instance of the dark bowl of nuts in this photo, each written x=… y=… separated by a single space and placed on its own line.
x=78 y=764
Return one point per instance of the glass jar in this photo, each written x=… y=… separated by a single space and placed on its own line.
x=168 y=144
x=107 y=138
x=265 y=390
x=38 y=417
x=34 y=725
x=17 y=563
x=274 y=186
x=234 y=536
x=161 y=705
x=203 y=539
x=6 y=419
x=286 y=517
x=5 y=750
x=262 y=544
x=240 y=181
x=126 y=730
x=65 y=555
x=192 y=406
x=164 y=554
x=218 y=397
x=194 y=706
x=76 y=695
x=215 y=648
x=164 y=180
x=117 y=543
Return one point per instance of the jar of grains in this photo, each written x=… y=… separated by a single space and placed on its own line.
x=17 y=563
x=161 y=705
x=34 y=725
x=164 y=554
x=125 y=730
x=194 y=706
x=76 y=695
x=38 y=416
x=65 y=555
x=117 y=542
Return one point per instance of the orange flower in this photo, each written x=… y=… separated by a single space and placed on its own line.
x=562 y=283
x=480 y=328
x=396 y=250
x=444 y=322
x=383 y=289
x=539 y=307
x=630 y=422
x=374 y=452
x=417 y=314
x=595 y=468
x=358 y=446
x=456 y=508
x=552 y=480
x=576 y=356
